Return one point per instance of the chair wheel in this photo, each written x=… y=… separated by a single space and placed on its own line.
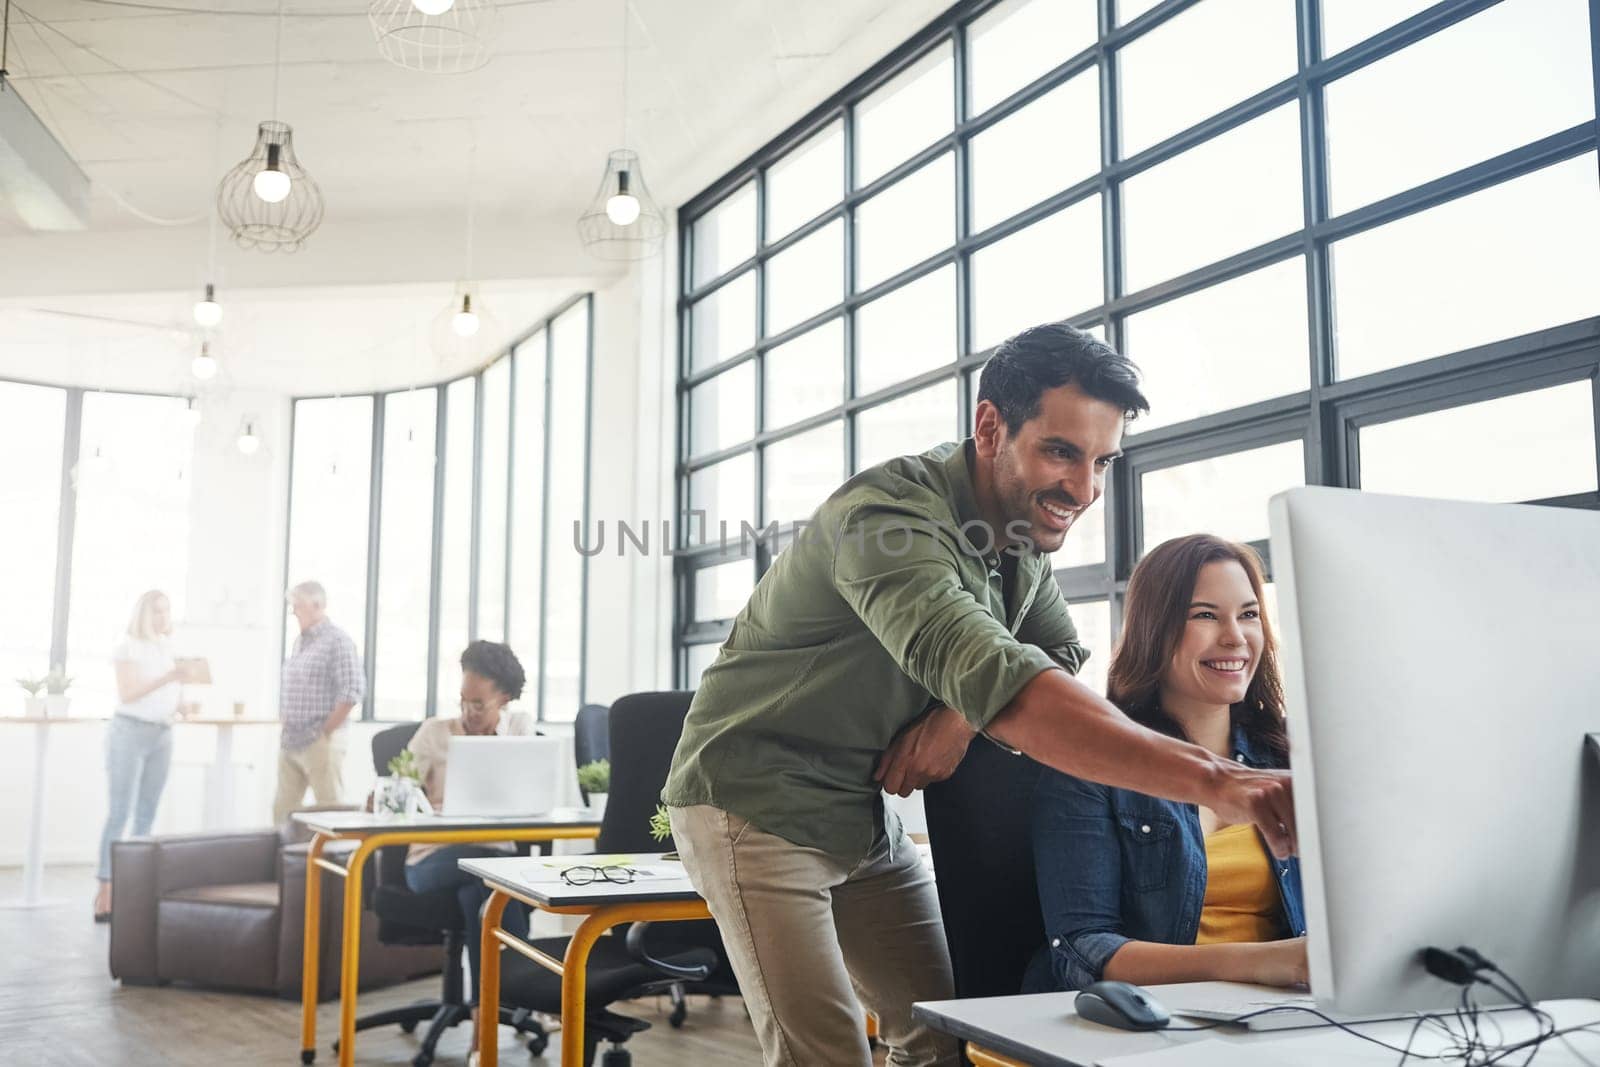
x=409 y=1027
x=422 y=1059
x=537 y=1044
x=616 y=1057
x=308 y=1055
x=680 y=1012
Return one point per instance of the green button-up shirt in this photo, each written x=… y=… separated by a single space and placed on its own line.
x=890 y=601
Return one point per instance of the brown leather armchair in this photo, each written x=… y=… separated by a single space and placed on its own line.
x=227 y=910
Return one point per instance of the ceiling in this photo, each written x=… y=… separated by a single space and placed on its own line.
x=294 y=341
x=155 y=101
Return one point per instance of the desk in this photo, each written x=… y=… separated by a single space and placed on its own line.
x=374 y=832
x=1043 y=1030
x=605 y=904
x=221 y=792
x=33 y=858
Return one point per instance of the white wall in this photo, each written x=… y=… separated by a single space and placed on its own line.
x=630 y=592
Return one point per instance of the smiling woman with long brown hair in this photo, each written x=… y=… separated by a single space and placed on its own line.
x=1139 y=889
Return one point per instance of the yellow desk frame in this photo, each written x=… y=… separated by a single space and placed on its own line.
x=372 y=839
x=982 y=1057
x=573 y=968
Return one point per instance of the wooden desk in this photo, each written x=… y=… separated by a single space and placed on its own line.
x=374 y=832
x=1043 y=1030
x=605 y=904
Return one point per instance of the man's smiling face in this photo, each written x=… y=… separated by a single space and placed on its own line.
x=1053 y=468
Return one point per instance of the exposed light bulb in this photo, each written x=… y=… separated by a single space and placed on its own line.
x=433 y=7
x=271 y=185
x=95 y=462
x=248 y=442
x=465 y=322
x=208 y=312
x=191 y=414
x=622 y=207
x=203 y=366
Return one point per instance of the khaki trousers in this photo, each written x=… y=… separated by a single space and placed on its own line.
x=319 y=765
x=812 y=938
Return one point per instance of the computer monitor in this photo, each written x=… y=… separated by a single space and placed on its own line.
x=1441 y=665
x=502 y=775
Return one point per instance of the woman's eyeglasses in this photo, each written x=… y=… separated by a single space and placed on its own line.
x=584 y=875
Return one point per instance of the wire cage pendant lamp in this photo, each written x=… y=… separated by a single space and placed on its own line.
x=623 y=221
x=435 y=36
x=268 y=200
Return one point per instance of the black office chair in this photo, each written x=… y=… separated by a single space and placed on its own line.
x=409 y=918
x=642 y=959
x=591 y=737
x=978 y=827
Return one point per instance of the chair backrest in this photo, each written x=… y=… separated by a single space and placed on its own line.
x=591 y=737
x=387 y=744
x=644 y=732
x=978 y=826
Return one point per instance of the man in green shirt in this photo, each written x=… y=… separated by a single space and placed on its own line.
x=916 y=609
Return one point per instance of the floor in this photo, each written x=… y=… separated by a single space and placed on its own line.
x=59 y=1006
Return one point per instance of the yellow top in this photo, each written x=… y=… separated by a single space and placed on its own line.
x=1242 y=902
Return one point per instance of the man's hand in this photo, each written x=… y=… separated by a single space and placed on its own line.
x=929 y=750
x=1260 y=796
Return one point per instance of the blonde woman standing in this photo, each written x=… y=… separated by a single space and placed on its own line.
x=139 y=738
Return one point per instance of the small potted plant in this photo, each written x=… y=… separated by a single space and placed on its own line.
x=401 y=792
x=595 y=781
x=661 y=823
x=56 y=684
x=33 y=705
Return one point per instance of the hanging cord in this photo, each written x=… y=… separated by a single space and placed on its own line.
x=626 y=16
x=472 y=193
x=5 y=45
x=277 y=60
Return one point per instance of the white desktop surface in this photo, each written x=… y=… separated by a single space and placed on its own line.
x=530 y=877
x=1044 y=1029
x=366 y=822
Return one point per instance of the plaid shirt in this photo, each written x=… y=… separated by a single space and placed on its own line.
x=323 y=670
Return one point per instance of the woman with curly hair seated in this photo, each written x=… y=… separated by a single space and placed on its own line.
x=491 y=677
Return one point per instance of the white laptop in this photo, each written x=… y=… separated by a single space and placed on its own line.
x=490 y=776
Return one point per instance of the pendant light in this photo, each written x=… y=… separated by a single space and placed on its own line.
x=249 y=442
x=459 y=332
x=623 y=221
x=192 y=414
x=435 y=36
x=268 y=201
x=207 y=312
x=204 y=366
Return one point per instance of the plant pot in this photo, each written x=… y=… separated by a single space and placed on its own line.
x=597 y=803
x=33 y=707
x=57 y=705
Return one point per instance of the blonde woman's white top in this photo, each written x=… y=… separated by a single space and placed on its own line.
x=151 y=659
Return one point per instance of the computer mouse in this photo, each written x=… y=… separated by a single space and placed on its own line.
x=1122 y=1005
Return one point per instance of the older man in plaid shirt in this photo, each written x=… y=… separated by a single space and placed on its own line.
x=322 y=680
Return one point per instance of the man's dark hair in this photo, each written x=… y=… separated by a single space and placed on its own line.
x=1050 y=356
x=497 y=663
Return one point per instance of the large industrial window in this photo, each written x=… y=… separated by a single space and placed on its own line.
x=1348 y=244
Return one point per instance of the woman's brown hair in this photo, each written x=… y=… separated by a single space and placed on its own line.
x=1154 y=614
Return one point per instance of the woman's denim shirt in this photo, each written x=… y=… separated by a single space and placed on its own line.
x=1116 y=866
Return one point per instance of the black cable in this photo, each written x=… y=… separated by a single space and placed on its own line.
x=1469 y=1045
